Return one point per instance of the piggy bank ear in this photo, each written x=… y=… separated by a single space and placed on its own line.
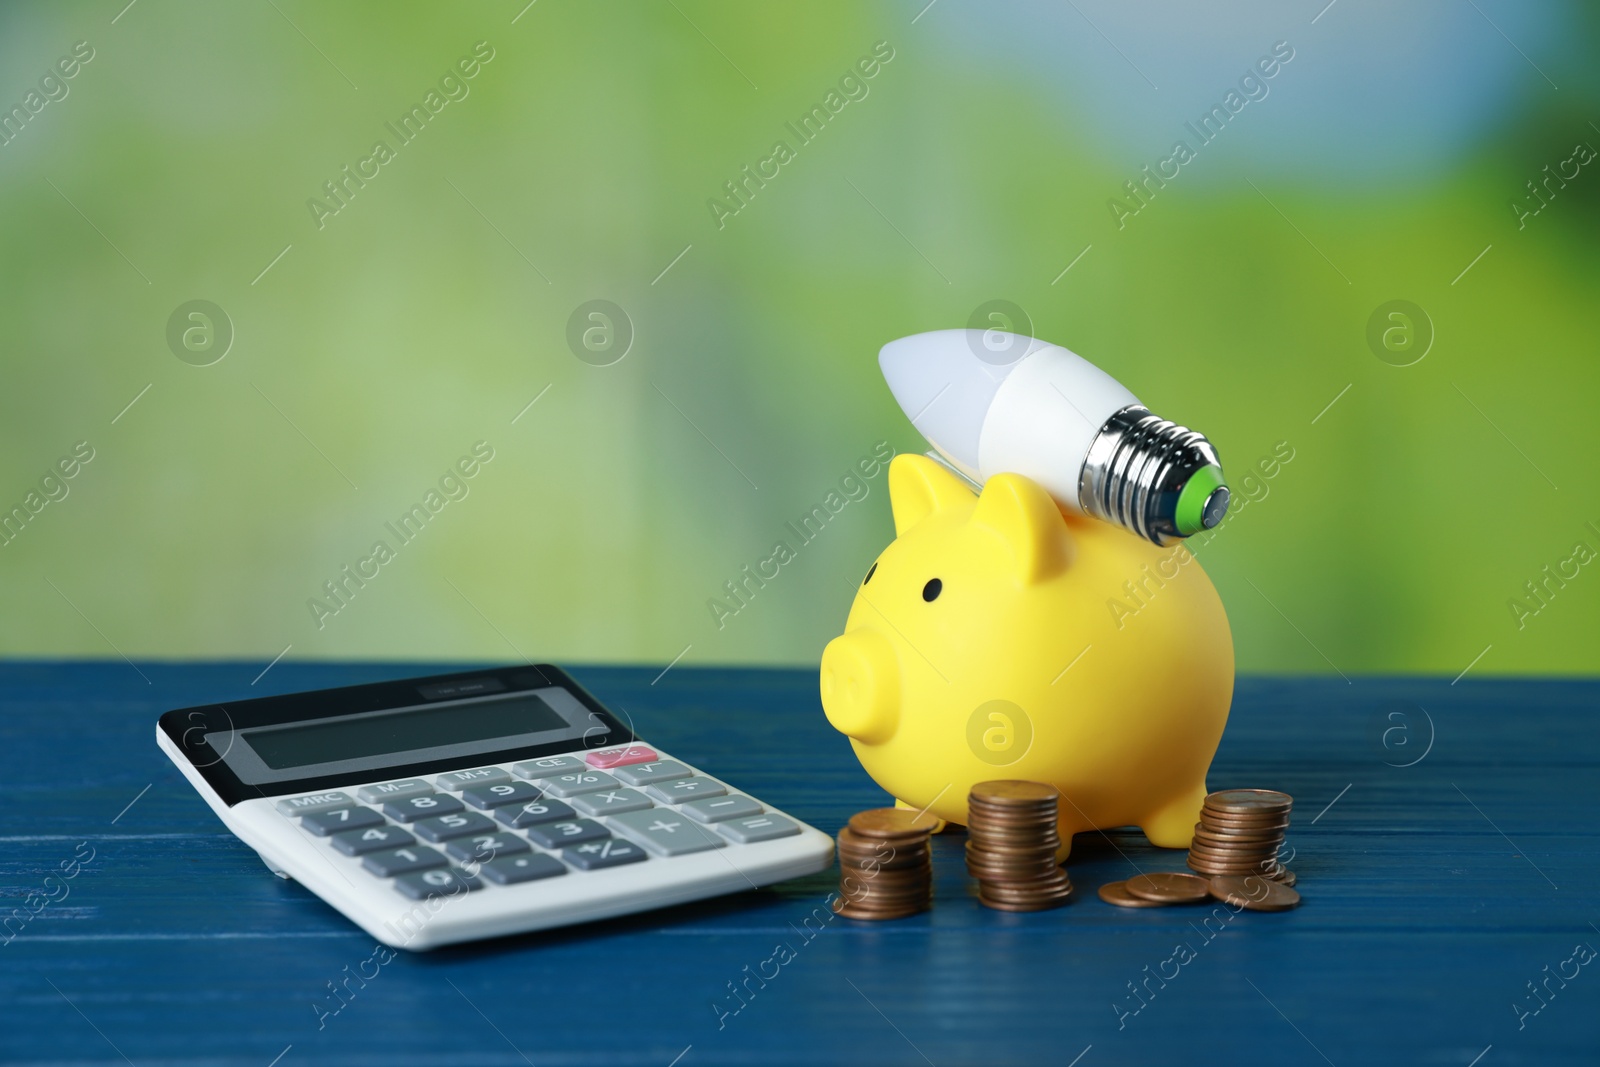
x=918 y=487
x=1029 y=522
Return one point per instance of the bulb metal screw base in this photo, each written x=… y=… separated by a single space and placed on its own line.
x=1160 y=480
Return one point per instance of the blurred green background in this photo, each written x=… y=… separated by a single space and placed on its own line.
x=370 y=352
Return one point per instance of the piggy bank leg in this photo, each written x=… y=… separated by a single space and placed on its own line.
x=1173 y=825
x=941 y=828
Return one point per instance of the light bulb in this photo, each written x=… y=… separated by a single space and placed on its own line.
x=990 y=401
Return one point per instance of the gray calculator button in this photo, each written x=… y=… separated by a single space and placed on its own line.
x=665 y=832
x=499 y=794
x=681 y=789
x=314 y=802
x=568 y=785
x=377 y=794
x=456 y=781
x=611 y=802
x=533 y=813
x=410 y=809
x=444 y=827
x=544 y=768
x=402 y=861
x=371 y=839
x=645 y=773
x=522 y=868
x=597 y=855
x=567 y=832
x=715 y=809
x=323 y=823
x=481 y=848
x=440 y=882
x=753 y=828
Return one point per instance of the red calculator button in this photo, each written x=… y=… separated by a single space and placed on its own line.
x=621 y=757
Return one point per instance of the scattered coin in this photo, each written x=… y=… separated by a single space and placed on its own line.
x=1166 y=887
x=1117 y=893
x=1254 y=893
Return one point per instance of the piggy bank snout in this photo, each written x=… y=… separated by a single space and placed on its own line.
x=861 y=685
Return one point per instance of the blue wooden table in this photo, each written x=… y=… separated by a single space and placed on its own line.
x=1448 y=904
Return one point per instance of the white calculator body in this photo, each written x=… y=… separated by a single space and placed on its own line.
x=465 y=806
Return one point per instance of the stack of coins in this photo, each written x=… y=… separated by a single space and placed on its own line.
x=885 y=864
x=1240 y=832
x=1011 y=846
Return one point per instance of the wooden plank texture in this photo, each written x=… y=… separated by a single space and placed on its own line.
x=1434 y=894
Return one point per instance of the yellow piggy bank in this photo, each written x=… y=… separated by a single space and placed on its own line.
x=1000 y=638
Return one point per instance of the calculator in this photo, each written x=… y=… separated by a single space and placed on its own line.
x=465 y=806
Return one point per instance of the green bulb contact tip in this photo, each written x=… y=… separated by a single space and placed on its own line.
x=1203 y=501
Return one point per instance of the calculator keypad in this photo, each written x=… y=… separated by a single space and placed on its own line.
x=638 y=806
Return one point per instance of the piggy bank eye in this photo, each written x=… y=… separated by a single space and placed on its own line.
x=930 y=592
x=870 y=572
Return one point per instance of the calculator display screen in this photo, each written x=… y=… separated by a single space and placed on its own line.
x=366 y=744
x=404 y=730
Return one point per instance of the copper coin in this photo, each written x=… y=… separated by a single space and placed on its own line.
x=1169 y=887
x=1240 y=833
x=984 y=849
x=892 y=823
x=1045 y=890
x=1012 y=809
x=1249 y=801
x=1252 y=860
x=1222 y=844
x=1254 y=893
x=1242 y=823
x=848 y=838
x=1285 y=876
x=1117 y=893
x=1007 y=905
x=1207 y=868
x=851 y=912
x=1012 y=792
x=1216 y=866
x=1003 y=895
